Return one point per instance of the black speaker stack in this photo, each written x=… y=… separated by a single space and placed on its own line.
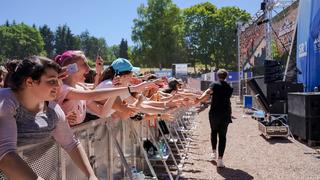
x=273 y=71
x=275 y=93
x=304 y=115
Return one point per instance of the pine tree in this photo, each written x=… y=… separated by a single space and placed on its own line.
x=123 y=49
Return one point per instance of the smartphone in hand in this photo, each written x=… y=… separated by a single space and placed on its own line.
x=72 y=68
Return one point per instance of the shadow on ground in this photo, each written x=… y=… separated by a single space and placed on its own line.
x=229 y=173
x=276 y=140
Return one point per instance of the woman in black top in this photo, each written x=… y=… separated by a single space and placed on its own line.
x=220 y=112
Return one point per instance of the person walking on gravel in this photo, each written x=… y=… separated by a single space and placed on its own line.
x=220 y=112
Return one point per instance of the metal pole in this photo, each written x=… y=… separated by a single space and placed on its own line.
x=238 y=56
x=268 y=17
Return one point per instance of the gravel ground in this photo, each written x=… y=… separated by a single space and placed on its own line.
x=248 y=154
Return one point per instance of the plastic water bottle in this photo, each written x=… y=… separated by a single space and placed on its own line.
x=315 y=89
x=161 y=147
x=141 y=176
x=150 y=152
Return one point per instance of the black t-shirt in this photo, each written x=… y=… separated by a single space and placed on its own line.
x=220 y=102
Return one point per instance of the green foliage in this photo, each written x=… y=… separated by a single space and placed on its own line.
x=123 y=49
x=65 y=40
x=93 y=47
x=200 y=32
x=91 y=63
x=225 y=43
x=114 y=51
x=158 y=34
x=210 y=34
x=19 y=41
x=163 y=34
x=48 y=38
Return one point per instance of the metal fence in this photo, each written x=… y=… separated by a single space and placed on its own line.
x=112 y=147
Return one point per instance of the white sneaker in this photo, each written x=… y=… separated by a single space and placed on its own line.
x=213 y=156
x=220 y=163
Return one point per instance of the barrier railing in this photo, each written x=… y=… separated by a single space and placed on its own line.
x=113 y=147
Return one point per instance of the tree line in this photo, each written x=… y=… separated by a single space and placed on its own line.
x=162 y=34
x=18 y=41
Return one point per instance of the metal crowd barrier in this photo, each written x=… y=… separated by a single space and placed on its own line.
x=113 y=147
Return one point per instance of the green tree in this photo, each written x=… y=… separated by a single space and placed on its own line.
x=123 y=49
x=89 y=45
x=65 y=40
x=158 y=34
x=199 y=32
x=210 y=34
x=114 y=51
x=225 y=44
x=93 y=46
x=19 y=41
x=48 y=38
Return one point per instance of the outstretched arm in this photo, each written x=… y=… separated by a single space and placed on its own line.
x=205 y=95
x=80 y=158
x=103 y=94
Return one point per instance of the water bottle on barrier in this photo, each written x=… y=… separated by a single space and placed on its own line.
x=316 y=89
x=161 y=147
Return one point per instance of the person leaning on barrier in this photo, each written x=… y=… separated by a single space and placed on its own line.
x=75 y=97
x=29 y=116
x=120 y=74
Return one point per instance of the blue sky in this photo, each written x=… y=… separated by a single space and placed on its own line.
x=111 y=19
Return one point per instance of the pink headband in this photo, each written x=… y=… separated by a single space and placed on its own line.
x=61 y=58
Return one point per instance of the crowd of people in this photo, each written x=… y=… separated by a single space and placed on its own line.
x=41 y=98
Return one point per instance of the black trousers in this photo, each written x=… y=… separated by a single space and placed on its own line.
x=218 y=128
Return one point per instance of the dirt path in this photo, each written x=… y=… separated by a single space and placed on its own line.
x=249 y=155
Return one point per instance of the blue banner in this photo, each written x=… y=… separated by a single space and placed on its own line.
x=308 y=44
x=163 y=73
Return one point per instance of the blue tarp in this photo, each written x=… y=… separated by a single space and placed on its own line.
x=234 y=76
x=308 y=44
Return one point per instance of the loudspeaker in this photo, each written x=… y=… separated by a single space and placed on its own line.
x=279 y=107
x=273 y=71
x=263 y=102
x=278 y=91
x=304 y=115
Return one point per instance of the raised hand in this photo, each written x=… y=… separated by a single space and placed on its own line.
x=167 y=117
x=63 y=74
x=72 y=118
x=99 y=65
x=116 y=80
x=139 y=100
